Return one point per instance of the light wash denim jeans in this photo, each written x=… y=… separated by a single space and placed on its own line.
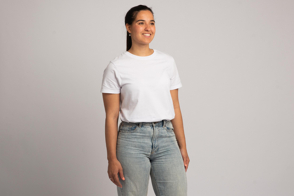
x=150 y=148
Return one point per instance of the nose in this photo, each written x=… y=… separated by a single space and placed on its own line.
x=147 y=27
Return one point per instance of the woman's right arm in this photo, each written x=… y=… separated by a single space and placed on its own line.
x=111 y=106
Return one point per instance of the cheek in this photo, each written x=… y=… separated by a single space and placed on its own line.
x=139 y=29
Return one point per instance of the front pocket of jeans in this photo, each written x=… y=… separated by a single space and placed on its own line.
x=169 y=127
x=128 y=128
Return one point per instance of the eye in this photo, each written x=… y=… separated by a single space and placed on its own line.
x=140 y=22
x=152 y=23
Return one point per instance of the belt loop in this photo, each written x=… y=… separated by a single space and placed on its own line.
x=140 y=124
x=164 y=123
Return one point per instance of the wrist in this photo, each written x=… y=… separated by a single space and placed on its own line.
x=112 y=159
x=183 y=147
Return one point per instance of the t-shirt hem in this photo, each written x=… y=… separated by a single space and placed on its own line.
x=138 y=121
x=145 y=120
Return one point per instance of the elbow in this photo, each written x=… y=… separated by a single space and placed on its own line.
x=112 y=116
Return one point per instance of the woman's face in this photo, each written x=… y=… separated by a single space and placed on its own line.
x=143 y=28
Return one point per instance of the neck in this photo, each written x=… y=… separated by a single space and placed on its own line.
x=141 y=51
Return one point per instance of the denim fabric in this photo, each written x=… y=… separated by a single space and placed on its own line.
x=150 y=148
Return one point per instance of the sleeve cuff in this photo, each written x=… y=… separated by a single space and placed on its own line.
x=108 y=90
x=176 y=86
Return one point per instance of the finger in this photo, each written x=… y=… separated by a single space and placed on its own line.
x=112 y=178
x=185 y=162
x=121 y=174
x=185 y=167
x=116 y=181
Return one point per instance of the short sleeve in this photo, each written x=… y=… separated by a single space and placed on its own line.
x=110 y=81
x=175 y=81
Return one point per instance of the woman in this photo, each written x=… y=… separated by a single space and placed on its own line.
x=141 y=85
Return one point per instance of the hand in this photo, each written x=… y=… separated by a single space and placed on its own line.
x=185 y=157
x=114 y=167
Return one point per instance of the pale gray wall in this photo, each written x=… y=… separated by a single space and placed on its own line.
x=235 y=59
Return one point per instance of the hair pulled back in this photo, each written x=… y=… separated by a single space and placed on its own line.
x=130 y=17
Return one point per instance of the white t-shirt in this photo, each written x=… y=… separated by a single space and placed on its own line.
x=144 y=83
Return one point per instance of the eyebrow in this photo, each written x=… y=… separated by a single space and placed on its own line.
x=144 y=20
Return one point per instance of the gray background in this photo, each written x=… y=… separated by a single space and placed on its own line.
x=235 y=60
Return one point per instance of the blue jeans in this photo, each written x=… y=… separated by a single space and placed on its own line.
x=150 y=148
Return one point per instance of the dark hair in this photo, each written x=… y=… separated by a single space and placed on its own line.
x=130 y=17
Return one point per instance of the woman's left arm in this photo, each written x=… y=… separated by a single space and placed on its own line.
x=179 y=128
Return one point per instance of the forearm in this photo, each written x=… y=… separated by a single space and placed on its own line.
x=179 y=128
x=111 y=137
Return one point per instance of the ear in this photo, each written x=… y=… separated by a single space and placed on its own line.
x=128 y=27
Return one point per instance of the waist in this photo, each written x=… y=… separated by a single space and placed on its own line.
x=158 y=123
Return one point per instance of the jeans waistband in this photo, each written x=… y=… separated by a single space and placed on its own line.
x=140 y=124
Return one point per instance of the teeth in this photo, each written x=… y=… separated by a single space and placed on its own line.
x=147 y=34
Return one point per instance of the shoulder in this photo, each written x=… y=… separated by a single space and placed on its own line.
x=120 y=59
x=165 y=55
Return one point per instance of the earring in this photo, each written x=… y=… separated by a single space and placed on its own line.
x=129 y=34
